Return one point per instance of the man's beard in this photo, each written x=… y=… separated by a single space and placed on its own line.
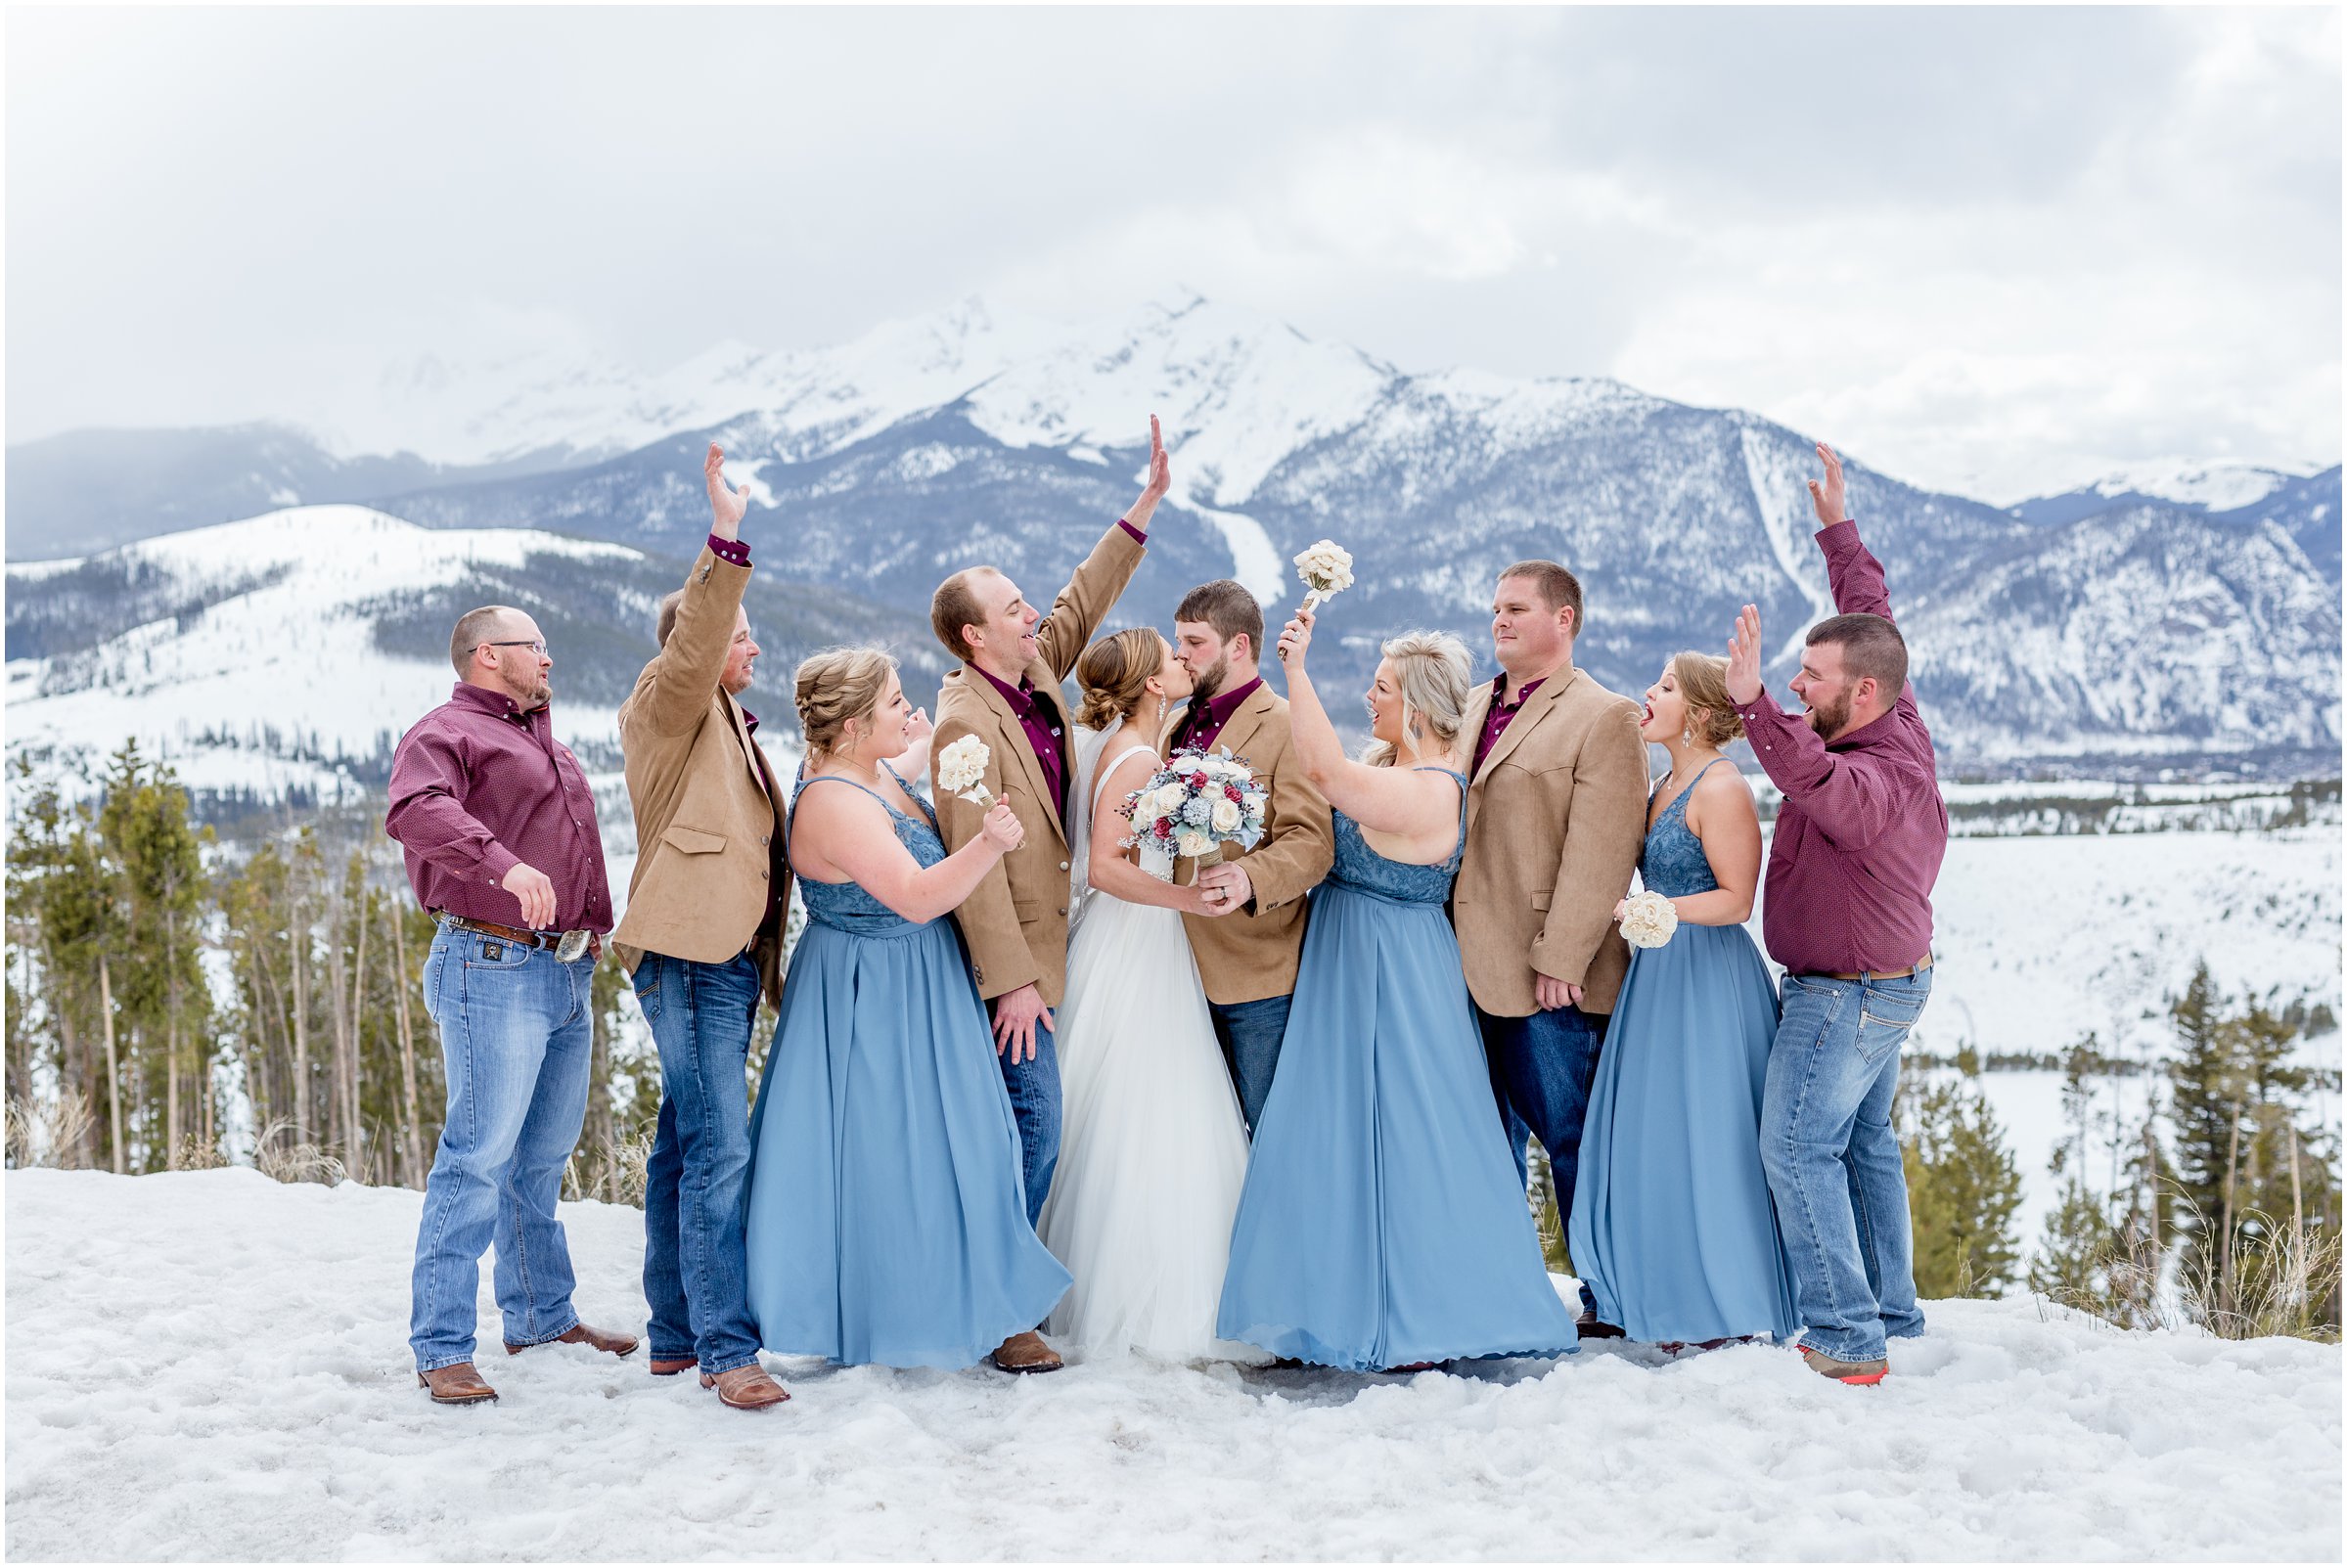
x=1209 y=680
x=1832 y=720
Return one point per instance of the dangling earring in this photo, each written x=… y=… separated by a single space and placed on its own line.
x=1687 y=735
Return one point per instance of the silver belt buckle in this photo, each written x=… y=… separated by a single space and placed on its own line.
x=572 y=946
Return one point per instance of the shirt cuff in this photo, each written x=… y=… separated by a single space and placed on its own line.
x=496 y=860
x=735 y=551
x=1137 y=534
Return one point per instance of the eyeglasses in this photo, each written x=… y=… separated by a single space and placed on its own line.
x=534 y=646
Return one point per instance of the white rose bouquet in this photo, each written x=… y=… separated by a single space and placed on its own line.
x=1649 y=919
x=1194 y=802
x=1327 y=568
x=961 y=771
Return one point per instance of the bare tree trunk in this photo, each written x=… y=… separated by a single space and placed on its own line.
x=358 y=1040
x=171 y=1089
x=412 y=1133
x=113 y=1075
x=302 y=1028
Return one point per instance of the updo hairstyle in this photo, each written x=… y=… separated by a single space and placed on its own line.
x=837 y=685
x=1703 y=687
x=1115 y=674
x=1434 y=673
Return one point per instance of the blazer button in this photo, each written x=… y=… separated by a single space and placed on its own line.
x=1063 y=865
x=1063 y=908
x=763 y=876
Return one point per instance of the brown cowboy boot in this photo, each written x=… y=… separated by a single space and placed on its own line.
x=669 y=1366
x=1026 y=1353
x=745 y=1387
x=459 y=1384
x=580 y=1334
x=1589 y=1328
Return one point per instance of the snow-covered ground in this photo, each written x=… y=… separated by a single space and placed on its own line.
x=209 y=1365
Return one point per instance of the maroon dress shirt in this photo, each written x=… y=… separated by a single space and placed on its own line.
x=1045 y=730
x=1862 y=829
x=1495 y=722
x=478 y=785
x=1202 y=725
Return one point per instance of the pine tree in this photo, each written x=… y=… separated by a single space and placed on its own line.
x=1963 y=1190
x=2202 y=1098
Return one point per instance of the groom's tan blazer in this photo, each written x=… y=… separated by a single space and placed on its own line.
x=1555 y=817
x=1016 y=919
x=711 y=874
x=1251 y=954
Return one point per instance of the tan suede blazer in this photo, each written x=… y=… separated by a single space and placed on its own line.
x=1251 y=954
x=1015 y=920
x=1556 y=817
x=709 y=812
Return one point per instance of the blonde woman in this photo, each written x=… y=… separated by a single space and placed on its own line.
x=1672 y=1229
x=1382 y=1226
x=1153 y=1151
x=887 y=1216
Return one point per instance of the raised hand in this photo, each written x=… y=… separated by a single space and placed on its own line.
x=535 y=890
x=1161 y=466
x=1830 y=498
x=1160 y=479
x=727 y=504
x=918 y=728
x=1743 y=656
x=1295 y=640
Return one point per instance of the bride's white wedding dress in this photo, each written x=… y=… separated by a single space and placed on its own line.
x=1152 y=1153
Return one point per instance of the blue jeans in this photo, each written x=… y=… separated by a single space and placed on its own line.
x=1541 y=1070
x=696 y=1182
x=1035 y=1086
x=1250 y=1033
x=1833 y=1159
x=518 y=1040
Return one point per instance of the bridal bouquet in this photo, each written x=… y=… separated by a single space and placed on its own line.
x=1649 y=919
x=1194 y=802
x=1327 y=568
x=961 y=771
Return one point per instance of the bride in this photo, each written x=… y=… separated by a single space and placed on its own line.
x=1152 y=1153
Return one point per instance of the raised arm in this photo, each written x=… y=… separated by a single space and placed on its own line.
x=1851 y=569
x=1093 y=591
x=1401 y=801
x=675 y=687
x=847 y=831
x=1108 y=869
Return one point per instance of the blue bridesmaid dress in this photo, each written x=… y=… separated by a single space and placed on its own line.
x=1672 y=1229
x=887 y=1215
x=1382 y=1223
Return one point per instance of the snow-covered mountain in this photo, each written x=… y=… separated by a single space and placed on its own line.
x=2205 y=486
x=883 y=464
x=285 y=653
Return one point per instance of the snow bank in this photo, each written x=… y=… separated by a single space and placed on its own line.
x=209 y=1365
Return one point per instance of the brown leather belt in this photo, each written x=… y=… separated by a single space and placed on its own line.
x=1919 y=967
x=537 y=939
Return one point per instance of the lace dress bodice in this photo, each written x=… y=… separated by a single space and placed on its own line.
x=1363 y=869
x=846 y=906
x=1673 y=863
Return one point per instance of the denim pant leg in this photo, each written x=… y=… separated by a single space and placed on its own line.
x=701 y=1016
x=1541 y=1067
x=1035 y=1086
x=1826 y=1144
x=534 y=1278
x=671 y=1331
x=493 y=1032
x=1878 y=1170
x=1250 y=1033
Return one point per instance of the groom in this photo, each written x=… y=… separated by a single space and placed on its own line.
x=1007 y=693
x=1247 y=951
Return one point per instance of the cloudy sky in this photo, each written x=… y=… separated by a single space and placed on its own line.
x=1993 y=251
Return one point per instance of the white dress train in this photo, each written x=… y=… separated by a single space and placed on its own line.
x=1152 y=1153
